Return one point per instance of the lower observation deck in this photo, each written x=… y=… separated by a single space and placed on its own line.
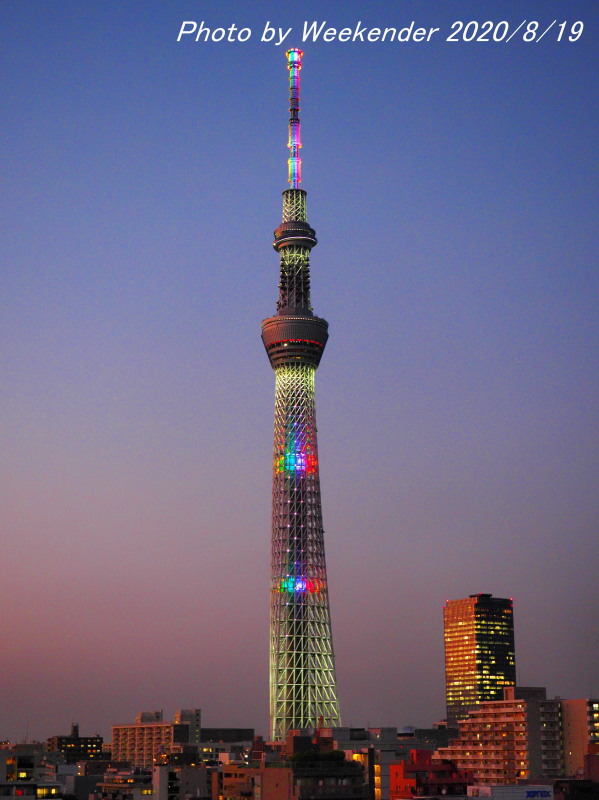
x=293 y=339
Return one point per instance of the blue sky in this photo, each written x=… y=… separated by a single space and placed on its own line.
x=453 y=189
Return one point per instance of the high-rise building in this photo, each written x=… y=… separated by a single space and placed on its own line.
x=303 y=691
x=479 y=652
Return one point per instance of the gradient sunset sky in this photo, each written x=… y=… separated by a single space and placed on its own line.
x=453 y=190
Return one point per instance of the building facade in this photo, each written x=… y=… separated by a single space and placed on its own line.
x=303 y=691
x=514 y=740
x=170 y=782
x=149 y=737
x=480 y=658
x=30 y=790
x=418 y=776
x=76 y=748
x=235 y=782
x=376 y=749
x=193 y=718
x=580 y=733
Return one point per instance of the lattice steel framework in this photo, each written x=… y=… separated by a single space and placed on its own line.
x=303 y=690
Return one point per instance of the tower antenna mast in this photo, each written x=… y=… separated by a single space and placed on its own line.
x=294 y=65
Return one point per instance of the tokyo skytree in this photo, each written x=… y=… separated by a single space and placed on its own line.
x=303 y=692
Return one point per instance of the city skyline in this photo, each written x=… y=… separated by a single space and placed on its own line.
x=454 y=194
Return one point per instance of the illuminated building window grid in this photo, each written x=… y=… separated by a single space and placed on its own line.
x=494 y=742
x=479 y=653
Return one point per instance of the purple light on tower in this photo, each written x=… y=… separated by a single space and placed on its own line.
x=303 y=691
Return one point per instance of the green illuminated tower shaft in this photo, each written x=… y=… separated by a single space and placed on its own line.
x=303 y=691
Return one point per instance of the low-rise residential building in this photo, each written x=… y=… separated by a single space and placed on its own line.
x=127 y=784
x=580 y=733
x=75 y=748
x=225 y=745
x=375 y=749
x=170 y=782
x=418 y=776
x=238 y=782
x=30 y=790
x=149 y=737
x=22 y=762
